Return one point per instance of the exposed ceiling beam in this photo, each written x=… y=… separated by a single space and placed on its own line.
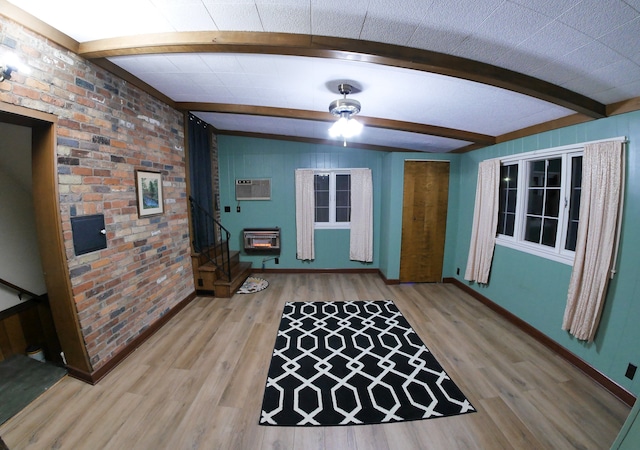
x=625 y=106
x=555 y=124
x=412 y=127
x=341 y=48
x=307 y=140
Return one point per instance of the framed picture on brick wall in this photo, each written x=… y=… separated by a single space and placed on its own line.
x=149 y=193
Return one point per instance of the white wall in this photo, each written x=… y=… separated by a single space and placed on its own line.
x=19 y=256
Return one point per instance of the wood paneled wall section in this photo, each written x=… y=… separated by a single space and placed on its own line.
x=29 y=323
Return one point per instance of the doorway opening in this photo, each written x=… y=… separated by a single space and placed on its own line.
x=49 y=236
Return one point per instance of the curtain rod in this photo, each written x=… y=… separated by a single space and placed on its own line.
x=543 y=151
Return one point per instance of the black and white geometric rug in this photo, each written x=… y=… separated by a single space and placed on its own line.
x=357 y=362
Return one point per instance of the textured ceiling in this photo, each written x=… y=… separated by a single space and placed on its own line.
x=559 y=56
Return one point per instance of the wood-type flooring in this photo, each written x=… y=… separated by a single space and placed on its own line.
x=198 y=382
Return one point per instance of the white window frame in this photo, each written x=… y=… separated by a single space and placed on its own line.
x=517 y=242
x=332 y=224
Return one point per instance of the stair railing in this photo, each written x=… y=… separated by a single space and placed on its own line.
x=18 y=289
x=210 y=238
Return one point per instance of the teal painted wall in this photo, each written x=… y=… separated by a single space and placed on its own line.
x=534 y=288
x=242 y=157
x=388 y=221
x=629 y=436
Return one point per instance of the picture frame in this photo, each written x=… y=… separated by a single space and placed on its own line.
x=149 y=193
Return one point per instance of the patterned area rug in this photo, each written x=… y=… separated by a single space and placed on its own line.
x=252 y=285
x=348 y=363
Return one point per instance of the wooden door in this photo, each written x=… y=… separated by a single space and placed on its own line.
x=424 y=220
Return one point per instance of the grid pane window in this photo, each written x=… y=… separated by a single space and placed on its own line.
x=343 y=198
x=543 y=201
x=332 y=200
x=508 y=197
x=539 y=202
x=321 y=187
x=574 y=204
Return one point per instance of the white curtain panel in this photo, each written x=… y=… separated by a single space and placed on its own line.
x=305 y=214
x=485 y=222
x=361 y=237
x=602 y=166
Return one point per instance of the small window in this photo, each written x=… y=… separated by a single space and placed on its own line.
x=322 y=194
x=508 y=197
x=332 y=199
x=574 y=204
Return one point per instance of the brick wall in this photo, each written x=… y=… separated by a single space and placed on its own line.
x=107 y=129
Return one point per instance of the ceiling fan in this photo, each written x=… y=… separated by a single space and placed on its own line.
x=345 y=108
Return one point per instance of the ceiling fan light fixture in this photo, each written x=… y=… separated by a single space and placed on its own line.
x=346 y=126
x=344 y=106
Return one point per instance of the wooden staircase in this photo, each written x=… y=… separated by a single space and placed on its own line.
x=210 y=279
x=216 y=270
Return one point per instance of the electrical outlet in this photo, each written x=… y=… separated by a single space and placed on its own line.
x=277 y=260
x=227 y=209
x=458 y=271
x=238 y=208
x=631 y=371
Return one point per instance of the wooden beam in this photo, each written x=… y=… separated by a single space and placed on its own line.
x=346 y=49
x=468 y=148
x=625 y=106
x=562 y=122
x=431 y=130
x=306 y=140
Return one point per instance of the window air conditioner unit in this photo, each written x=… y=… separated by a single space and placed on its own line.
x=253 y=189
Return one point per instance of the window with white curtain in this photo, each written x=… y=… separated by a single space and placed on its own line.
x=539 y=202
x=332 y=198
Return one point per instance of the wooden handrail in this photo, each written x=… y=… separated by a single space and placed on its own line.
x=18 y=288
x=215 y=230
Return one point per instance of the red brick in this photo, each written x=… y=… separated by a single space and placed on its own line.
x=118 y=144
x=91 y=179
x=82 y=171
x=26 y=92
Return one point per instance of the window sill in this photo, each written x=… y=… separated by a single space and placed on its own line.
x=332 y=226
x=535 y=250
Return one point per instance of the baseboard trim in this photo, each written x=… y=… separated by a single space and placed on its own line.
x=315 y=270
x=387 y=280
x=377 y=271
x=95 y=376
x=612 y=386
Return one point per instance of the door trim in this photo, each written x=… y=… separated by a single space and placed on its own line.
x=49 y=230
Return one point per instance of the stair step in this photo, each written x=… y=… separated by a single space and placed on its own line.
x=234 y=258
x=239 y=273
x=208 y=267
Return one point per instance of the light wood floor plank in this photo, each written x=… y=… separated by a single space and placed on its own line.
x=505 y=425
x=198 y=382
x=371 y=437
